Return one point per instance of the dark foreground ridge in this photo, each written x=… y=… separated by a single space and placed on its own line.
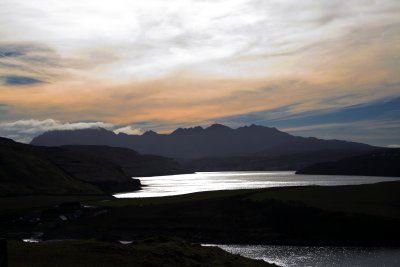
x=164 y=252
x=217 y=147
x=385 y=162
x=26 y=169
x=359 y=215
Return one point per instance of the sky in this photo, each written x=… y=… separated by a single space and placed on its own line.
x=323 y=68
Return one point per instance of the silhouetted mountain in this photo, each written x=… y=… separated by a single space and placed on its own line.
x=193 y=143
x=26 y=169
x=383 y=162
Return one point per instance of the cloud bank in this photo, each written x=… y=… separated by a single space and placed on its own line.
x=375 y=123
x=25 y=130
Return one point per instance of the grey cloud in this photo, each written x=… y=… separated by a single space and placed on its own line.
x=394 y=146
x=3 y=110
x=14 y=80
x=3 y=107
x=30 y=52
x=28 y=59
x=10 y=53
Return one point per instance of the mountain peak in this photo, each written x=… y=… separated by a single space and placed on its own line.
x=150 y=133
x=218 y=127
x=196 y=129
x=88 y=136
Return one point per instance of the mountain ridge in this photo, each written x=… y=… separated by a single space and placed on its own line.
x=197 y=142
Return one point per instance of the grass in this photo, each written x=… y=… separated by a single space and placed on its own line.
x=151 y=252
x=310 y=215
x=21 y=203
x=382 y=199
x=199 y=196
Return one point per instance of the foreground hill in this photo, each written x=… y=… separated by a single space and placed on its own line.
x=384 y=162
x=217 y=147
x=360 y=215
x=26 y=169
x=151 y=252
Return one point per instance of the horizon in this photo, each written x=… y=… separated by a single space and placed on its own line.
x=317 y=68
x=202 y=127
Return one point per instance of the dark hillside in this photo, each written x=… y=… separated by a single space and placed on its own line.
x=26 y=169
x=383 y=162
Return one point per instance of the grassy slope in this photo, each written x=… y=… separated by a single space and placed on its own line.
x=153 y=252
x=23 y=172
x=352 y=215
x=382 y=199
x=31 y=170
x=31 y=202
x=339 y=215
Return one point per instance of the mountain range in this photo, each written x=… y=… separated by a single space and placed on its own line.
x=217 y=147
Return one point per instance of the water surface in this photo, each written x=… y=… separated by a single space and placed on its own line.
x=319 y=256
x=158 y=186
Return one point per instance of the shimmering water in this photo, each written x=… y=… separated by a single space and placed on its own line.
x=157 y=186
x=319 y=256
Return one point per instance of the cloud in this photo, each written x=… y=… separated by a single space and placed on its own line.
x=29 y=59
x=394 y=146
x=3 y=107
x=155 y=38
x=128 y=130
x=375 y=122
x=288 y=116
x=25 y=130
x=19 y=80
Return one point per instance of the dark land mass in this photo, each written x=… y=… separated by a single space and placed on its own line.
x=360 y=215
x=287 y=162
x=26 y=169
x=383 y=162
x=63 y=192
x=155 y=252
x=217 y=147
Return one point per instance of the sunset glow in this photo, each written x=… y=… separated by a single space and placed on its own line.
x=139 y=65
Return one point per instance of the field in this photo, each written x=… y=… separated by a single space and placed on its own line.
x=311 y=215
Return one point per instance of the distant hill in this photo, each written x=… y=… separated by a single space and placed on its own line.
x=290 y=161
x=26 y=169
x=383 y=162
x=217 y=147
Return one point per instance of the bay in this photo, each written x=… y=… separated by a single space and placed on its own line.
x=160 y=186
x=295 y=256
